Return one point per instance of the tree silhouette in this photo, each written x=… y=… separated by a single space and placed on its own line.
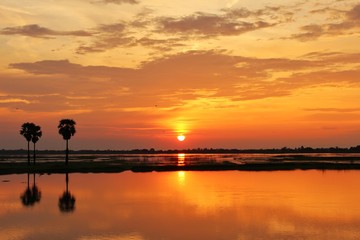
x=67 y=200
x=36 y=134
x=31 y=195
x=67 y=129
x=26 y=130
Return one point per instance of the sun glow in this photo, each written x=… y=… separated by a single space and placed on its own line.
x=181 y=138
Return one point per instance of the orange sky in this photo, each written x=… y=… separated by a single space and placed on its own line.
x=136 y=73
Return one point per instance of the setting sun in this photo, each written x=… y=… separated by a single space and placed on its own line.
x=181 y=138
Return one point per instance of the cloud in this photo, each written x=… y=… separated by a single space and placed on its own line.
x=229 y=22
x=350 y=22
x=172 y=83
x=186 y=76
x=13 y=100
x=34 y=30
x=64 y=67
x=161 y=44
x=310 y=32
x=335 y=110
x=333 y=58
x=209 y=25
x=120 y=1
x=107 y=36
x=166 y=33
x=110 y=36
x=104 y=43
x=354 y=13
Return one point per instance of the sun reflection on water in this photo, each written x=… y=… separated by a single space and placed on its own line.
x=181 y=178
x=181 y=159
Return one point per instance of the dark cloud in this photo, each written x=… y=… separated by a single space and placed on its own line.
x=209 y=25
x=309 y=32
x=107 y=36
x=160 y=44
x=234 y=21
x=354 y=13
x=158 y=32
x=349 y=21
x=115 y=28
x=104 y=43
x=67 y=68
x=120 y=34
x=278 y=13
x=35 y=30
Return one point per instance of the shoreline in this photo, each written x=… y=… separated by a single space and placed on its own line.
x=52 y=167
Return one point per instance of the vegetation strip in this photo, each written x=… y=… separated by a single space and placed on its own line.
x=113 y=167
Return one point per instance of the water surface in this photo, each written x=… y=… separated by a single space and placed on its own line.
x=182 y=205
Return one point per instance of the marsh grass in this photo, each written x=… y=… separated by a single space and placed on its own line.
x=92 y=163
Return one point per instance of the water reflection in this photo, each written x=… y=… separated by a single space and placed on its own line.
x=213 y=205
x=181 y=159
x=32 y=194
x=67 y=200
x=181 y=177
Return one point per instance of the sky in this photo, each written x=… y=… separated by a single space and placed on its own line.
x=224 y=73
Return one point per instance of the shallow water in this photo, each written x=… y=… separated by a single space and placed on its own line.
x=188 y=158
x=182 y=205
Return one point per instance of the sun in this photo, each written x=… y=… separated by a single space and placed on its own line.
x=181 y=138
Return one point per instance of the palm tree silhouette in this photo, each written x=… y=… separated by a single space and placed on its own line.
x=36 y=135
x=26 y=131
x=67 y=129
x=67 y=200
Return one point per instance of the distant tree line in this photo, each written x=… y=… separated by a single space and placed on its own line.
x=199 y=150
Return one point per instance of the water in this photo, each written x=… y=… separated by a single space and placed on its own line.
x=188 y=158
x=183 y=205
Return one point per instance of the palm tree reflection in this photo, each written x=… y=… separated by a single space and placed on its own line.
x=67 y=200
x=31 y=195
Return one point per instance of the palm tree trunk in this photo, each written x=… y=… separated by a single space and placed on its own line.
x=34 y=155
x=28 y=152
x=67 y=152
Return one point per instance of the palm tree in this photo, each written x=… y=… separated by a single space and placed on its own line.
x=67 y=129
x=36 y=135
x=26 y=131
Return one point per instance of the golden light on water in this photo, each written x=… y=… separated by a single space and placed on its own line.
x=181 y=177
x=181 y=159
x=205 y=197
